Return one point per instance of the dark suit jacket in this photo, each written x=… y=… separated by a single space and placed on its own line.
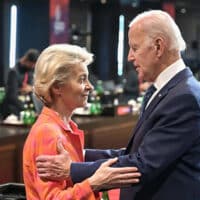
x=165 y=146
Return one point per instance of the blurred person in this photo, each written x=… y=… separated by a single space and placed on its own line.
x=143 y=84
x=135 y=84
x=19 y=82
x=165 y=143
x=191 y=57
x=61 y=82
x=131 y=86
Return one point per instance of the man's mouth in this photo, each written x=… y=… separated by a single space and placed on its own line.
x=136 y=68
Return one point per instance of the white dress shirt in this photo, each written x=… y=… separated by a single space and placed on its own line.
x=166 y=75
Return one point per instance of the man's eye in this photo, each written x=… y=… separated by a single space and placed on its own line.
x=134 y=49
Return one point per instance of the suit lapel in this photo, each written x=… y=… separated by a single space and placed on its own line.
x=161 y=94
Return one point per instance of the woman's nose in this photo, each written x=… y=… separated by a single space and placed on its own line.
x=89 y=86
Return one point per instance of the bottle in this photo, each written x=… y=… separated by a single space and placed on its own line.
x=28 y=115
x=105 y=195
x=98 y=105
x=2 y=94
x=93 y=108
x=32 y=114
x=99 y=88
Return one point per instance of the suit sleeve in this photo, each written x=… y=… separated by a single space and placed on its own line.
x=92 y=155
x=174 y=132
x=97 y=154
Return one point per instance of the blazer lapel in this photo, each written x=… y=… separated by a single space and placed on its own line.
x=161 y=94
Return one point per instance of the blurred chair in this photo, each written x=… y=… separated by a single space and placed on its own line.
x=12 y=191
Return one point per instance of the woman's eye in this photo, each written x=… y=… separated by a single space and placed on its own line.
x=82 y=79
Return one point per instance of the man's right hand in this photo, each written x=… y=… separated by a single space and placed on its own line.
x=108 y=177
x=54 y=167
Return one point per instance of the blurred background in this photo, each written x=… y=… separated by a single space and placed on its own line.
x=98 y=25
x=101 y=27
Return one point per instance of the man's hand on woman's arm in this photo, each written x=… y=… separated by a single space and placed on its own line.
x=55 y=167
x=107 y=177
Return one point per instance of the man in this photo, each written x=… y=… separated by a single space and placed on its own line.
x=165 y=144
x=19 y=83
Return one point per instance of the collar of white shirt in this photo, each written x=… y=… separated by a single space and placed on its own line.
x=166 y=75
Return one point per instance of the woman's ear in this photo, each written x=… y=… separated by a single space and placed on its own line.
x=56 y=89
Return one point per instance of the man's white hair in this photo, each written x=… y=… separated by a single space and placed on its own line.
x=159 y=23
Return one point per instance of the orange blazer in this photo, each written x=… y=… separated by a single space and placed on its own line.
x=42 y=139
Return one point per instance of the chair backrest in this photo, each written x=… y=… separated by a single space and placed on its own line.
x=12 y=191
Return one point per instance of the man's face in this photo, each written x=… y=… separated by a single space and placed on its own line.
x=142 y=53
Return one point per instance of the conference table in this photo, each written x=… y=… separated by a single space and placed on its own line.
x=100 y=132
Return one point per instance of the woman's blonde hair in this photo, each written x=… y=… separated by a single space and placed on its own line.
x=55 y=65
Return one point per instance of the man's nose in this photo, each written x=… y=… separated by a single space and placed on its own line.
x=131 y=56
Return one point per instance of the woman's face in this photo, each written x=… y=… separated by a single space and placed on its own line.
x=74 y=93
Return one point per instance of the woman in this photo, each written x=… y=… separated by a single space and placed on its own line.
x=61 y=82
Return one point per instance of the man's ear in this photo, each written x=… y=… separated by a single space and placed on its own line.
x=159 y=46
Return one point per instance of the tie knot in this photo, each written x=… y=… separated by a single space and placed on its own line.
x=150 y=91
x=146 y=98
